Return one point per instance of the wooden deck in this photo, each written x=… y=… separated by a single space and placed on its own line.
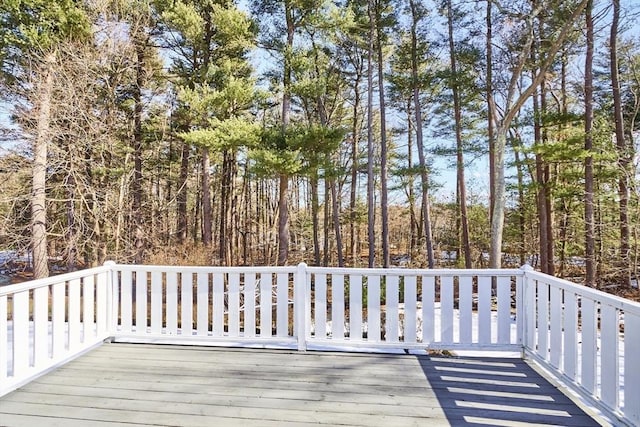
x=119 y=384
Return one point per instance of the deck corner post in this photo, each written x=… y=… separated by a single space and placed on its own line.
x=300 y=325
x=112 y=297
x=522 y=308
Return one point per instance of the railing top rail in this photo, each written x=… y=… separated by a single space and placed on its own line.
x=416 y=272
x=203 y=269
x=39 y=283
x=624 y=304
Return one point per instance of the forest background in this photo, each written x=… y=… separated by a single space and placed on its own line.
x=280 y=131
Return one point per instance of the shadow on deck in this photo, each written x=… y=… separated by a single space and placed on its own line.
x=498 y=392
x=194 y=386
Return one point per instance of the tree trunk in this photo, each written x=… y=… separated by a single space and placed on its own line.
x=283 y=209
x=540 y=181
x=509 y=112
x=181 y=197
x=457 y=113
x=335 y=211
x=39 y=173
x=490 y=107
x=326 y=243
x=384 y=208
x=411 y=196
x=283 y=220
x=424 y=175
x=136 y=183
x=621 y=145
x=315 y=208
x=355 y=163
x=226 y=207
x=71 y=233
x=589 y=220
x=497 y=218
x=371 y=210
x=207 y=219
x=547 y=195
x=521 y=206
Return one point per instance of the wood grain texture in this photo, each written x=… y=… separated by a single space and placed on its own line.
x=121 y=384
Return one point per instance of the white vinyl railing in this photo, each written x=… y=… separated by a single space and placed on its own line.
x=204 y=305
x=579 y=335
x=45 y=323
x=407 y=309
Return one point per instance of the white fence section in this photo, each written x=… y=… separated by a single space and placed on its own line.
x=579 y=335
x=409 y=309
x=205 y=305
x=45 y=323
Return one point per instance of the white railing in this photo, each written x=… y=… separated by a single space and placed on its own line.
x=579 y=335
x=409 y=309
x=45 y=323
x=204 y=305
x=318 y=307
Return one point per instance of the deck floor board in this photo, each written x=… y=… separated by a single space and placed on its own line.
x=134 y=384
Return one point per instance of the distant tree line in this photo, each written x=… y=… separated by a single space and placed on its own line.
x=200 y=132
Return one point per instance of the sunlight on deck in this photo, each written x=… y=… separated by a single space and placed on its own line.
x=195 y=386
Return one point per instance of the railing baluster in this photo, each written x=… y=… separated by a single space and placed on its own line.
x=520 y=310
x=301 y=329
x=355 y=307
x=589 y=345
x=428 y=309
x=609 y=356
x=202 y=305
x=282 y=304
x=321 y=305
x=446 y=309
x=555 y=325
x=337 y=306
x=74 y=314
x=126 y=297
x=266 y=304
x=40 y=325
x=58 y=318
x=484 y=310
x=156 y=302
x=20 y=331
x=465 y=305
x=103 y=325
x=570 y=333
x=88 y=308
x=410 y=300
x=234 y=304
x=543 y=320
x=631 y=370
x=186 y=303
x=530 y=311
x=141 y=302
x=250 y=305
x=504 y=310
x=392 y=309
x=172 y=303
x=373 y=308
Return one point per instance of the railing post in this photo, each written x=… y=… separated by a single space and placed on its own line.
x=300 y=309
x=112 y=299
x=631 y=368
x=522 y=309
